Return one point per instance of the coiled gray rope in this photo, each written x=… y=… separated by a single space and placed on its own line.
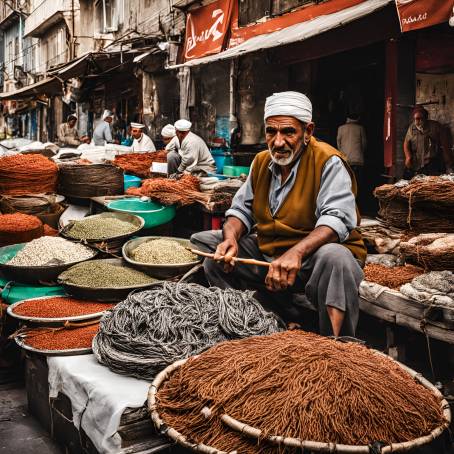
x=152 y=329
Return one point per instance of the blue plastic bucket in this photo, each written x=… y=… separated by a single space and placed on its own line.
x=131 y=181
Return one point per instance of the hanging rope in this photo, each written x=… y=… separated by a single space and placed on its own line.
x=154 y=328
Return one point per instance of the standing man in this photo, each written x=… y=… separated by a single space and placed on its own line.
x=194 y=156
x=141 y=143
x=102 y=132
x=424 y=148
x=351 y=140
x=300 y=196
x=68 y=135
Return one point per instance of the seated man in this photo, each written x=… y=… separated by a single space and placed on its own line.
x=141 y=143
x=68 y=135
x=169 y=137
x=300 y=194
x=193 y=156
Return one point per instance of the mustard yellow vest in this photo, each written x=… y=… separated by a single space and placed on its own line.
x=295 y=218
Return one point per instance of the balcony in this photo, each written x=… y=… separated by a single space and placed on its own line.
x=46 y=14
x=7 y=16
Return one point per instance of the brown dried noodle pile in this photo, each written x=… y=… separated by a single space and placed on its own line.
x=296 y=384
x=391 y=277
x=139 y=163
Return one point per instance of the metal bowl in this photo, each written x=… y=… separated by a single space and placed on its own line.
x=50 y=320
x=137 y=221
x=107 y=294
x=32 y=274
x=162 y=271
x=70 y=352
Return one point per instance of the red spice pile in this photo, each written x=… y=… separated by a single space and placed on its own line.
x=50 y=231
x=19 y=228
x=60 y=306
x=391 y=277
x=63 y=339
x=139 y=163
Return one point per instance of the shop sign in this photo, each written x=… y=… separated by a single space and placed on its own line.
x=414 y=14
x=207 y=29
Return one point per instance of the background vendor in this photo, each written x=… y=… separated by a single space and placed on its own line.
x=194 y=156
x=141 y=143
x=103 y=132
x=170 y=139
x=300 y=196
x=68 y=135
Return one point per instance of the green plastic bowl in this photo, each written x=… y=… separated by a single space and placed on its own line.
x=236 y=171
x=152 y=213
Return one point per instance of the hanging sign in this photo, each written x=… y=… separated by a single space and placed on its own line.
x=414 y=14
x=207 y=29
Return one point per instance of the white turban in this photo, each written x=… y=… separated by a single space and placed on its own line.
x=168 y=131
x=183 y=125
x=289 y=104
x=107 y=113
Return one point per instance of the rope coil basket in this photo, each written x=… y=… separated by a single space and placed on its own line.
x=89 y=180
x=176 y=380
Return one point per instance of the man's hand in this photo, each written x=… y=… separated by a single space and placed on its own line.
x=408 y=162
x=226 y=252
x=283 y=271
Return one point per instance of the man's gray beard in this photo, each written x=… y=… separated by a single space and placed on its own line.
x=285 y=161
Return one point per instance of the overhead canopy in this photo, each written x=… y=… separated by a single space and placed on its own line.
x=50 y=85
x=294 y=33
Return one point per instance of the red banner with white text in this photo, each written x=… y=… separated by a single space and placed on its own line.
x=207 y=29
x=414 y=14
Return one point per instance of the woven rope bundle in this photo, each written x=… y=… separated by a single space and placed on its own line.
x=139 y=164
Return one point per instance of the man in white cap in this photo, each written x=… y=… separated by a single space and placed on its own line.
x=141 y=143
x=300 y=196
x=102 y=133
x=169 y=137
x=194 y=156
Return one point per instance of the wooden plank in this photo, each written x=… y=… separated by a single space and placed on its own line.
x=395 y=301
x=376 y=311
x=136 y=430
x=131 y=415
x=148 y=447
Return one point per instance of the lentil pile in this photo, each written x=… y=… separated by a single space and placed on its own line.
x=60 y=306
x=51 y=250
x=100 y=228
x=296 y=384
x=19 y=228
x=99 y=274
x=62 y=339
x=392 y=277
x=162 y=251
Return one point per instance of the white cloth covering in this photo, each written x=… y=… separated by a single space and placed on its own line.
x=183 y=125
x=290 y=104
x=98 y=396
x=142 y=145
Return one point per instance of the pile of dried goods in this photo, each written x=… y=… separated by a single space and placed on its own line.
x=296 y=384
x=183 y=191
x=49 y=250
x=99 y=228
x=139 y=164
x=61 y=338
x=27 y=174
x=19 y=228
x=152 y=329
x=101 y=274
x=433 y=251
x=424 y=204
x=162 y=251
x=392 y=277
x=59 y=307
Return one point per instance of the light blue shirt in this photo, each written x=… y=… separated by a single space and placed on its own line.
x=335 y=205
x=102 y=133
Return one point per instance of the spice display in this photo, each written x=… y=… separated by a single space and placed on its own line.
x=391 y=277
x=139 y=164
x=60 y=306
x=49 y=250
x=62 y=338
x=152 y=329
x=27 y=174
x=49 y=231
x=424 y=204
x=100 y=274
x=162 y=251
x=182 y=191
x=19 y=228
x=100 y=228
x=296 y=384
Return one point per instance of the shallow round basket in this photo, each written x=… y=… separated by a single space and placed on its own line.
x=162 y=271
x=49 y=320
x=304 y=445
x=71 y=352
x=106 y=294
x=32 y=274
x=136 y=221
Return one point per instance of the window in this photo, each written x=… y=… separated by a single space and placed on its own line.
x=106 y=16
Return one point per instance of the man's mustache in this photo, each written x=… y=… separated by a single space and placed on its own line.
x=281 y=150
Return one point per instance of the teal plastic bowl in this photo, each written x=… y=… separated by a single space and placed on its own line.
x=236 y=171
x=152 y=213
x=131 y=181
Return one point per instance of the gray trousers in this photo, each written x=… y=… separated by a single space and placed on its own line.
x=173 y=162
x=329 y=277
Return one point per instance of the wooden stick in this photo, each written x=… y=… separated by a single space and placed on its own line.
x=235 y=259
